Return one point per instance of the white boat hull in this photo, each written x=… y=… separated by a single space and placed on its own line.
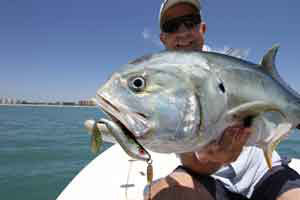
x=114 y=175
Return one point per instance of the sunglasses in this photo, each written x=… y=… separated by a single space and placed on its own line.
x=189 y=21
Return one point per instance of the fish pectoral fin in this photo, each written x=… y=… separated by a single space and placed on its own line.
x=270 y=143
x=246 y=112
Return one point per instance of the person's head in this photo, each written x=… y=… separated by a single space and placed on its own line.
x=181 y=25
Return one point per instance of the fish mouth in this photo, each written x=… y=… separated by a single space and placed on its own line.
x=135 y=125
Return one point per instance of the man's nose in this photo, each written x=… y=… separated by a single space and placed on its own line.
x=183 y=29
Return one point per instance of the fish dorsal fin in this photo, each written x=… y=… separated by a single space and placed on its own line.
x=268 y=66
x=268 y=62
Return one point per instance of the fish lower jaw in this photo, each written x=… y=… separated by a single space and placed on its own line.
x=132 y=134
x=134 y=124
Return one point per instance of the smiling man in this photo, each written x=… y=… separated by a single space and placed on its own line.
x=225 y=170
x=182 y=27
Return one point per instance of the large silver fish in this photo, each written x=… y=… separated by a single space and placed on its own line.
x=178 y=101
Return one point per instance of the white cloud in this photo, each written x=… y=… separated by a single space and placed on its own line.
x=148 y=35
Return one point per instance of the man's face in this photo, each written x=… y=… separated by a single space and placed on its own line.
x=184 y=37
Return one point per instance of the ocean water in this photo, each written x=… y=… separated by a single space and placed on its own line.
x=43 y=148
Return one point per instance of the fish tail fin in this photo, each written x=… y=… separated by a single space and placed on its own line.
x=273 y=140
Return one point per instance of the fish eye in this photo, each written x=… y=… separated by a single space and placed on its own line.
x=137 y=83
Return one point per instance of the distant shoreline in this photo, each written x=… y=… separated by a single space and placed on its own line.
x=41 y=105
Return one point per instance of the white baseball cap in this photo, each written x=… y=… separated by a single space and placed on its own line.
x=169 y=3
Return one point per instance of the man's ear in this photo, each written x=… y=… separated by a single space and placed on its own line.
x=202 y=27
x=162 y=37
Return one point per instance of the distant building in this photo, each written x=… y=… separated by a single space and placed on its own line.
x=6 y=101
x=12 y=101
x=68 y=103
x=24 y=102
x=86 y=103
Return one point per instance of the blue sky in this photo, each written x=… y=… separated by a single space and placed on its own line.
x=64 y=49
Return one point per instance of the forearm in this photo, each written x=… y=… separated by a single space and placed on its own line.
x=293 y=194
x=179 y=185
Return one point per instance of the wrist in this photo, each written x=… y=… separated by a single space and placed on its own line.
x=200 y=166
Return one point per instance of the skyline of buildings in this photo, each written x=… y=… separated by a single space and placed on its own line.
x=15 y=101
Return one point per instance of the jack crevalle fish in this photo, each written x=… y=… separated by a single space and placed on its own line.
x=180 y=101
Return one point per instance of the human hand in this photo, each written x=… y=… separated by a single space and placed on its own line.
x=228 y=148
x=218 y=153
